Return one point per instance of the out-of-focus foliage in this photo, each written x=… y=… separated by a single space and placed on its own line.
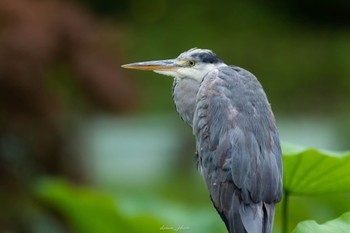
x=88 y=211
x=315 y=172
x=54 y=69
x=53 y=52
x=338 y=225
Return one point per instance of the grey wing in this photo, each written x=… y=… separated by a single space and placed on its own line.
x=238 y=147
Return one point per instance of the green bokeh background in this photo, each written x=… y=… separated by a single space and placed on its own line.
x=126 y=161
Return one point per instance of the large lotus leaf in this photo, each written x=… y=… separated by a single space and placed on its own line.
x=338 y=225
x=310 y=171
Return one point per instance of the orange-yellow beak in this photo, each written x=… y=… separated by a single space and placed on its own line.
x=161 y=65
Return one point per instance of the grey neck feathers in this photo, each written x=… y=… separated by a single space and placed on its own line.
x=184 y=95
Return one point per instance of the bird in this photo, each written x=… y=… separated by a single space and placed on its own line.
x=238 y=150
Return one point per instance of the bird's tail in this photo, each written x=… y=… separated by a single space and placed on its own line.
x=257 y=218
x=248 y=218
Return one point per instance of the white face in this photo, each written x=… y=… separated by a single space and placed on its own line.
x=196 y=72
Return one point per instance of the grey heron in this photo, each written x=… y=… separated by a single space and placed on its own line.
x=238 y=150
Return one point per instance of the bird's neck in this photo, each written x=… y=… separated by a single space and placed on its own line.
x=184 y=95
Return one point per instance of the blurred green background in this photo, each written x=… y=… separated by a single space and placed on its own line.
x=88 y=147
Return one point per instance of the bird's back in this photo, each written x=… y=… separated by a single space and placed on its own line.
x=238 y=148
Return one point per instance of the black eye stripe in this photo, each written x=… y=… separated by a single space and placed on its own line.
x=206 y=57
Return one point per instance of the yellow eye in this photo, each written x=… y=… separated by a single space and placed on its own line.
x=191 y=63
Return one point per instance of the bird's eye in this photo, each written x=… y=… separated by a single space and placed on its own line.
x=191 y=63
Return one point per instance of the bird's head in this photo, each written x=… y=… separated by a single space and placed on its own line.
x=194 y=63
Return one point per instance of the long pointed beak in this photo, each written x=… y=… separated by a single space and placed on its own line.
x=162 y=65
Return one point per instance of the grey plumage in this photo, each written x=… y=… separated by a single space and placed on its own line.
x=237 y=143
x=239 y=149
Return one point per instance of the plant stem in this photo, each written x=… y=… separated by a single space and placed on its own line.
x=285 y=212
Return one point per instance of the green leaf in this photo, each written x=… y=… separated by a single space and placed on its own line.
x=338 y=225
x=87 y=211
x=309 y=171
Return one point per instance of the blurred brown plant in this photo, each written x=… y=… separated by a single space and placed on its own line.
x=39 y=40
